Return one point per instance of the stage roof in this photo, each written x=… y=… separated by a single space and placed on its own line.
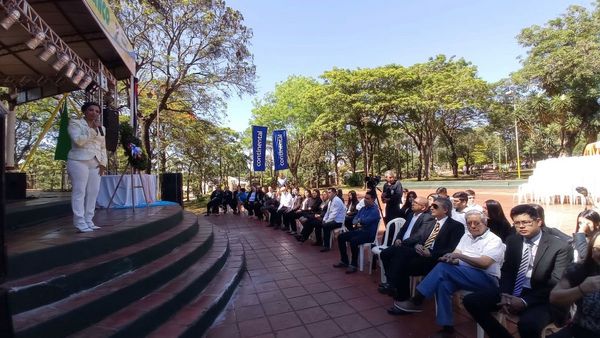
x=88 y=28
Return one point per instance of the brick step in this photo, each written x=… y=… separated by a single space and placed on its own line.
x=141 y=317
x=56 y=248
x=90 y=306
x=53 y=285
x=195 y=318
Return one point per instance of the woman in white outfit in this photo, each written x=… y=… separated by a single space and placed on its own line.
x=86 y=163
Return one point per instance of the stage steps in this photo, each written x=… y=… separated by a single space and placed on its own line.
x=63 y=250
x=58 y=283
x=153 y=273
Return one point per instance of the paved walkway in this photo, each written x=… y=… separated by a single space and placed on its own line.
x=292 y=290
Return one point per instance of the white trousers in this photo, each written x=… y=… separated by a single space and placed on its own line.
x=85 y=179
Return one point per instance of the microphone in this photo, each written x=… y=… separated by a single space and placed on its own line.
x=99 y=126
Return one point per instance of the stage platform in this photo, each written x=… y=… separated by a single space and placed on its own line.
x=132 y=277
x=45 y=206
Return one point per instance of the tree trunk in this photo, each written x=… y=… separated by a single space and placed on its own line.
x=336 y=160
x=420 y=169
x=146 y=123
x=453 y=155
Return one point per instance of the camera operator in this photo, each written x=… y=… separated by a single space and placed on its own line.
x=391 y=196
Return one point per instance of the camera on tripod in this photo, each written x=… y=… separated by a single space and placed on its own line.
x=372 y=181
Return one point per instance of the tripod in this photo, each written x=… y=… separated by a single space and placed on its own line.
x=131 y=173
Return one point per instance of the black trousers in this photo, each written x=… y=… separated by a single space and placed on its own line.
x=213 y=206
x=386 y=257
x=327 y=227
x=258 y=210
x=482 y=304
x=355 y=238
x=313 y=224
x=289 y=220
x=400 y=263
x=249 y=206
x=391 y=212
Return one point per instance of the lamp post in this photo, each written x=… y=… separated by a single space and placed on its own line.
x=514 y=97
x=517 y=140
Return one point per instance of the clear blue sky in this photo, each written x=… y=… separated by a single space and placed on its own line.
x=308 y=37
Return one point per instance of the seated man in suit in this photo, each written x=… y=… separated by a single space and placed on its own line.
x=473 y=266
x=534 y=261
x=420 y=259
x=421 y=222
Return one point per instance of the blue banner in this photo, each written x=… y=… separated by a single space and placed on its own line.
x=259 y=142
x=280 y=149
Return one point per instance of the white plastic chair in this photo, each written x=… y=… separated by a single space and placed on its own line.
x=376 y=250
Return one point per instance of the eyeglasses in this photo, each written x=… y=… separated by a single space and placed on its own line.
x=525 y=223
x=435 y=206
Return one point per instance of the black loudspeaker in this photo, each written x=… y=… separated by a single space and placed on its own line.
x=16 y=186
x=111 y=123
x=171 y=187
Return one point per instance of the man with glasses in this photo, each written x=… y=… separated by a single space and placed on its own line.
x=365 y=223
x=420 y=259
x=534 y=261
x=474 y=265
x=413 y=232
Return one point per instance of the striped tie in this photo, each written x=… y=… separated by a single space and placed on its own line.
x=525 y=260
x=432 y=236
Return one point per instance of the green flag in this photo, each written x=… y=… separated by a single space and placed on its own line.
x=63 y=145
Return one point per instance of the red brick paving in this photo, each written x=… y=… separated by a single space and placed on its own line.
x=292 y=290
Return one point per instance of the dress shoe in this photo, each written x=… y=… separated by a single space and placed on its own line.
x=408 y=306
x=386 y=290
x=81 y=230
x=351 y=269
x=340 y=265
x=394 y=311
x=93 y=226
x=443 y=334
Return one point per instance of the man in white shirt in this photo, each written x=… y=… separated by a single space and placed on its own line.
x=459 y=204
x=285 y=203
x=334 y=217
x=473 y=266
x=471 y=203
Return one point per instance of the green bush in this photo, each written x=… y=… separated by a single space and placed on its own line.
x=354 y=179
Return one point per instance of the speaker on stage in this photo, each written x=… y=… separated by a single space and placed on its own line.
x=111 y=123
x=171 y=187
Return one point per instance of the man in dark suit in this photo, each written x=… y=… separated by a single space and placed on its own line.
x=534 y=262
x=418 y=225
x=419 y=259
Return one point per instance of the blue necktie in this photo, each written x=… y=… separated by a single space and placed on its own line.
x=521 y=275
